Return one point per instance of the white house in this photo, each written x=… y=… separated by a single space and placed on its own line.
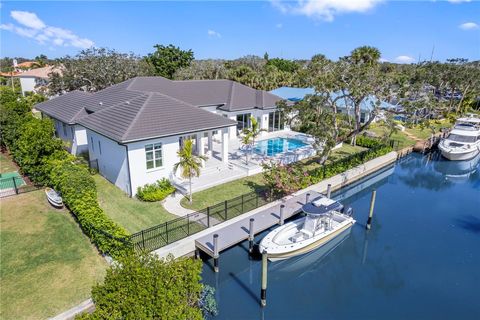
x=33 y=79
x=134 y=129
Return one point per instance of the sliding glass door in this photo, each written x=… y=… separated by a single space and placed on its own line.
x=275 y=121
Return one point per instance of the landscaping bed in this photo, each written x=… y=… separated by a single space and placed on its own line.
x=48 y=264
x=132 y=214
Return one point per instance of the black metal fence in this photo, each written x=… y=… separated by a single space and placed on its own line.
x=158 y=236
x=15 y=185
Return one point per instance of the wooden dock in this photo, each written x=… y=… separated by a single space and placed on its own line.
x=232 y=234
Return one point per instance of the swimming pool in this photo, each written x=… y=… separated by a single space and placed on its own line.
x=274 y=146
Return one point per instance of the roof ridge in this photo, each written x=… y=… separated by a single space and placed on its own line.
x=117 y=104
x=230 y=94
x=125 y=134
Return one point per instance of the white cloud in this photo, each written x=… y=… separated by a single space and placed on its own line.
x=279 y=25
x=28 y=19
x=213 y=34
x=404 y=59
x=324 y=9
x=468 y=26
x=31 y=26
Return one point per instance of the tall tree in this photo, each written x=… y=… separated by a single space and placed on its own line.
x=166 y=60
x=189 y=164
x=95 y=69
x=251 y=133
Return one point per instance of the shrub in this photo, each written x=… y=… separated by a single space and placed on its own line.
x=156 y=191
x=141 y=286
x=79 y=193
x=284 y=179
x=367 y=142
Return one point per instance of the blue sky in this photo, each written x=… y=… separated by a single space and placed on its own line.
x=402 y=30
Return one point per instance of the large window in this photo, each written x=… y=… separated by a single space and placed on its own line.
x=275 y=121
x=243 y=121
x=153 y=155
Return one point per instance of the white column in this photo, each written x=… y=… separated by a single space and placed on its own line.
x=210 y=142
x=200 y=145
x=224 y=152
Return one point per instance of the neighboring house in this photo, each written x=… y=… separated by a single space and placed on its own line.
x=343 y=105
x=33 y=79
x=135 y=128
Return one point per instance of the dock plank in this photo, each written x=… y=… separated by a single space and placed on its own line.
x=237 y=232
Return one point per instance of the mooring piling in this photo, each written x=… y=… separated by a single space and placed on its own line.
x=370 y=214
x=251 y=236
x=282 y=208
x=263 y=292
x=329 y=190
x=307 y=197
x=215 y=252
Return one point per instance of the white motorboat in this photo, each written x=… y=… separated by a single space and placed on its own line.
x=324 y=220
x=54 y=198
x=463 y=142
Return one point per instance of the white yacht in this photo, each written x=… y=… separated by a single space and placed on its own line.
x=324 y=220
x=463 y=142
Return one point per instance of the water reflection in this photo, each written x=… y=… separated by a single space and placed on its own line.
x=457 y=171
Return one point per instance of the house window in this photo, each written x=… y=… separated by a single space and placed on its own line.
x=99 y=147
x=93 y=146
x=153 y=155
x=275 y=121
x=64 y=129
x=243 y=121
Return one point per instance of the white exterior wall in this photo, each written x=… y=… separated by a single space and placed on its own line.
x=27 y=84
x=80 y=142
x=138 y=166
x=112 y=159
x=74 y=135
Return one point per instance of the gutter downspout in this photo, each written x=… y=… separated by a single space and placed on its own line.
x=128 y=168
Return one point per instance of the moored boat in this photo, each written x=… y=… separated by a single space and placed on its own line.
x=54 y=198
x=463 y=142
x=324 y=220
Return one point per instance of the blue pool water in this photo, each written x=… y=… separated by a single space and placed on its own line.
x=421 y=260
x=274 y=146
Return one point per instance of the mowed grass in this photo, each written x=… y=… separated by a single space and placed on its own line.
x=6 y=165
x=47 y=264
x=403 y=140
x=232 y=189
x=131 y=213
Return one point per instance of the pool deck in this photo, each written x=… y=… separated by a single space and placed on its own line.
x=237 y=232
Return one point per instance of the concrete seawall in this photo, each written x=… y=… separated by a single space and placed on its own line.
x=186 y=246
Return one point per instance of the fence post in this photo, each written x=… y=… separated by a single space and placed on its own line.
x=188 y=224
x=256 y=205
x=225 y=209
x=15 y=185
x=208 y=217
x=166 y=230
x=242 y=204
x=324 y=173
x=143 y=241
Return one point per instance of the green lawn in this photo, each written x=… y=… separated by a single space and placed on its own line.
x=131 y=213
x=425 y=133
x=48 y=264
x=6 y=165
x=403 y=140
x=232 y=189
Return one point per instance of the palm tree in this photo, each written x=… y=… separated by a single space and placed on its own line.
x=252 y=132
x=190 y=164
x=246 y=140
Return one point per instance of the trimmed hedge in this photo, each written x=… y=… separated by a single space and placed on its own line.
x=156 y=191
x=331 y=169
x=79 y=193
x=367 y=142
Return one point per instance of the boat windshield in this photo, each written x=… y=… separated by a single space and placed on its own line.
x=459 y=138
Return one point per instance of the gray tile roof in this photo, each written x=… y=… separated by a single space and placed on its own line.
x=149 y=107
x=67 y=108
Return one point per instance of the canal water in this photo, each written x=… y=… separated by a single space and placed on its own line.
x=421 y=260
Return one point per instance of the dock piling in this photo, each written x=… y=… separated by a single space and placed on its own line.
x=263 y=292
x=251 y=236
x=282 y=208
x=215 y=252
x=329 y=190
x=370 y=214
x=307 y=197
